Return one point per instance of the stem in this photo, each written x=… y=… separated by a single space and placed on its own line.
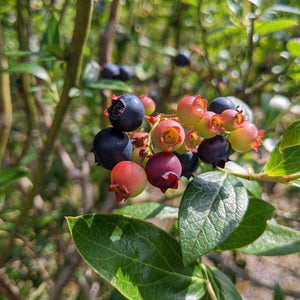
x=204 y=55
x=80 y=34
x=23 y=36
x=5 y=102
x=106 y=48
x=250 y=47
x=209 y=288
x=263 y=176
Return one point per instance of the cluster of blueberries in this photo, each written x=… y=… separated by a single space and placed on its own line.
x=174 y=144
x=112 y=71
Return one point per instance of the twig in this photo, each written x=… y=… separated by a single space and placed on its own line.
x=7 y=291
x=205 y=56
x=31 y=109
x=72 y=261
x=5 y=102
x=263 y=176
x=250 y=46
x=105 y=53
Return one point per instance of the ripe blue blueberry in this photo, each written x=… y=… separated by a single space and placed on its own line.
x=125 y=72
x=218 y=105
x=111 y=146
x=126 y=113
x=215 y=151
x=110 y=71
x=183 y=58
x=189 y=162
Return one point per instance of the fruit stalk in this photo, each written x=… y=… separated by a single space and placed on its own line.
x=263 y=176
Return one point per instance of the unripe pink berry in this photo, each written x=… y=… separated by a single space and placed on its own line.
x=210 y=125
x=168 y=135
x=191 y=141
x=148 y=103
x=128 y=179
x=163 y=170
x=246 y=137
x=234 y=119
x=190 y=109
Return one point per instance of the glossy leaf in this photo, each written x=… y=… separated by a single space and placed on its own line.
x=223 y=288
x=148 y=210
x=251 y=186
x=293 y=46
x=109 y=84
x=91 y=72
x=139 y=259
x=30 y=68
x=291 y=136
x=285 y=8
x=211 y=209
x=252 y=226
x=274 y=107
x=11 y=175
x=283 y=162
x=266 y=27
x=276 y=240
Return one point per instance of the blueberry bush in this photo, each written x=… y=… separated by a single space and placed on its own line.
x=119 y=116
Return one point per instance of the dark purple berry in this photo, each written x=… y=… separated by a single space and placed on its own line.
x=125 y=72
x=183 y=58
x=189 y=163
x=163 y=170
x=218 y=105
x=110 y=71
x=215 y=151
x=126 y=113
x=111 y=146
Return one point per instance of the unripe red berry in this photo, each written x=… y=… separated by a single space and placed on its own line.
x=148 y=103
x=127 y=180
x=210 y=125
x=234 y=119
x=168 y=135
x=163 y=170
x=246 y=137
x=190 y=109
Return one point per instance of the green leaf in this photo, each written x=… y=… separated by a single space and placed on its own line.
x=139 y=259
x=276 y=240
x=252 y=226
x=266 y=27
x=51 y=35
x=223 y=288
x=91 y=72
x=291 y=136
x=247 y=111
x=211 y=209
x=278 y=294
x=24 y=53
x=274 y=107
x=293 y=46
x=11 y=175
x=283 y=162
x=251 y=186
x=285 y=8
x=148 y=210
x=30 y=68
x=109 y=84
